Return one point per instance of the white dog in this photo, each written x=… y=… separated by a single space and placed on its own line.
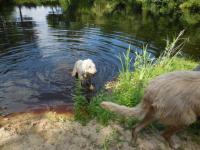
x=84 y=69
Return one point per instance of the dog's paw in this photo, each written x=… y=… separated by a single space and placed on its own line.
x=91 y=88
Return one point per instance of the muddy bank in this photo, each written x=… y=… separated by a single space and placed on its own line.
x=53 y=131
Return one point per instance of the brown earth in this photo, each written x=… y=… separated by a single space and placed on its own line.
x=52 y=131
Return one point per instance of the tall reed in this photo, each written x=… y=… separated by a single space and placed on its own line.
x=172 y=49
x=125 y=61
x=80 y=103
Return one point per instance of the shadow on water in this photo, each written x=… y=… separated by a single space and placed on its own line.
x=39 y=46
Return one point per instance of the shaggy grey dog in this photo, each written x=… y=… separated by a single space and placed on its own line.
x=172 y=98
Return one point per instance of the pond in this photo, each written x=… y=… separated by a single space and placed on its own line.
x=39 y=46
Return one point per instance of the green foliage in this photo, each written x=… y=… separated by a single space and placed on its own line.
x=190 y=4
x=186 y=10
x=96 y=111
x=124 y=92
x=65 y=4
x=125 y=65
x=143 y=63
x=85 y=111
x=145 y=70
x=172 y=49
x=80 y=104
x=166 y=6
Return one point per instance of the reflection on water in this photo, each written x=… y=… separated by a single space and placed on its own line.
x=38 y=47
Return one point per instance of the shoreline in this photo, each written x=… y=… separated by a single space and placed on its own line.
x=59 y=109
x=49 y=131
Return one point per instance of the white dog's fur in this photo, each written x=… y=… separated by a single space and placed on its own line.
x=84 y=69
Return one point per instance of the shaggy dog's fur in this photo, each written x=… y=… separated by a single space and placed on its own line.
x=84 y=69
x=173 y=99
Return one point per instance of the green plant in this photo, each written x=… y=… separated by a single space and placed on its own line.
x=172 y=49
x=96 y=111
x=143 y=63
x=65 y=4
x=80 y=104
x=126 y=64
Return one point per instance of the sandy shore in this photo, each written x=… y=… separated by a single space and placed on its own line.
x=52 y=131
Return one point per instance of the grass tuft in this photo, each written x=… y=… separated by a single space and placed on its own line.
x=80 y=104
x=125 y=64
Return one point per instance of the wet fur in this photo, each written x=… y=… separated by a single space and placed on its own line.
x=84 y=69
x=172 y=98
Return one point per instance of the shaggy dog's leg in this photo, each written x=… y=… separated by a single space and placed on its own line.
x=169 y=132
x=81 y=76
x=149 y=118
x=74 y=72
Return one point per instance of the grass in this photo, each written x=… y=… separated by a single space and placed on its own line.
x=80 y=104
x=129 y=88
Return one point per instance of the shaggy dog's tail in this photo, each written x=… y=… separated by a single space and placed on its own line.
x=137 y=111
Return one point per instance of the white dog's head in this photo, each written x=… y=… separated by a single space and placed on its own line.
x=89 y=67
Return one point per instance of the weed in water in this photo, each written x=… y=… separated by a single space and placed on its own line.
x=80 y=104
x=125 y=65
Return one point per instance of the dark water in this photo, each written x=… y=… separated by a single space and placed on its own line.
x=39 y=48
